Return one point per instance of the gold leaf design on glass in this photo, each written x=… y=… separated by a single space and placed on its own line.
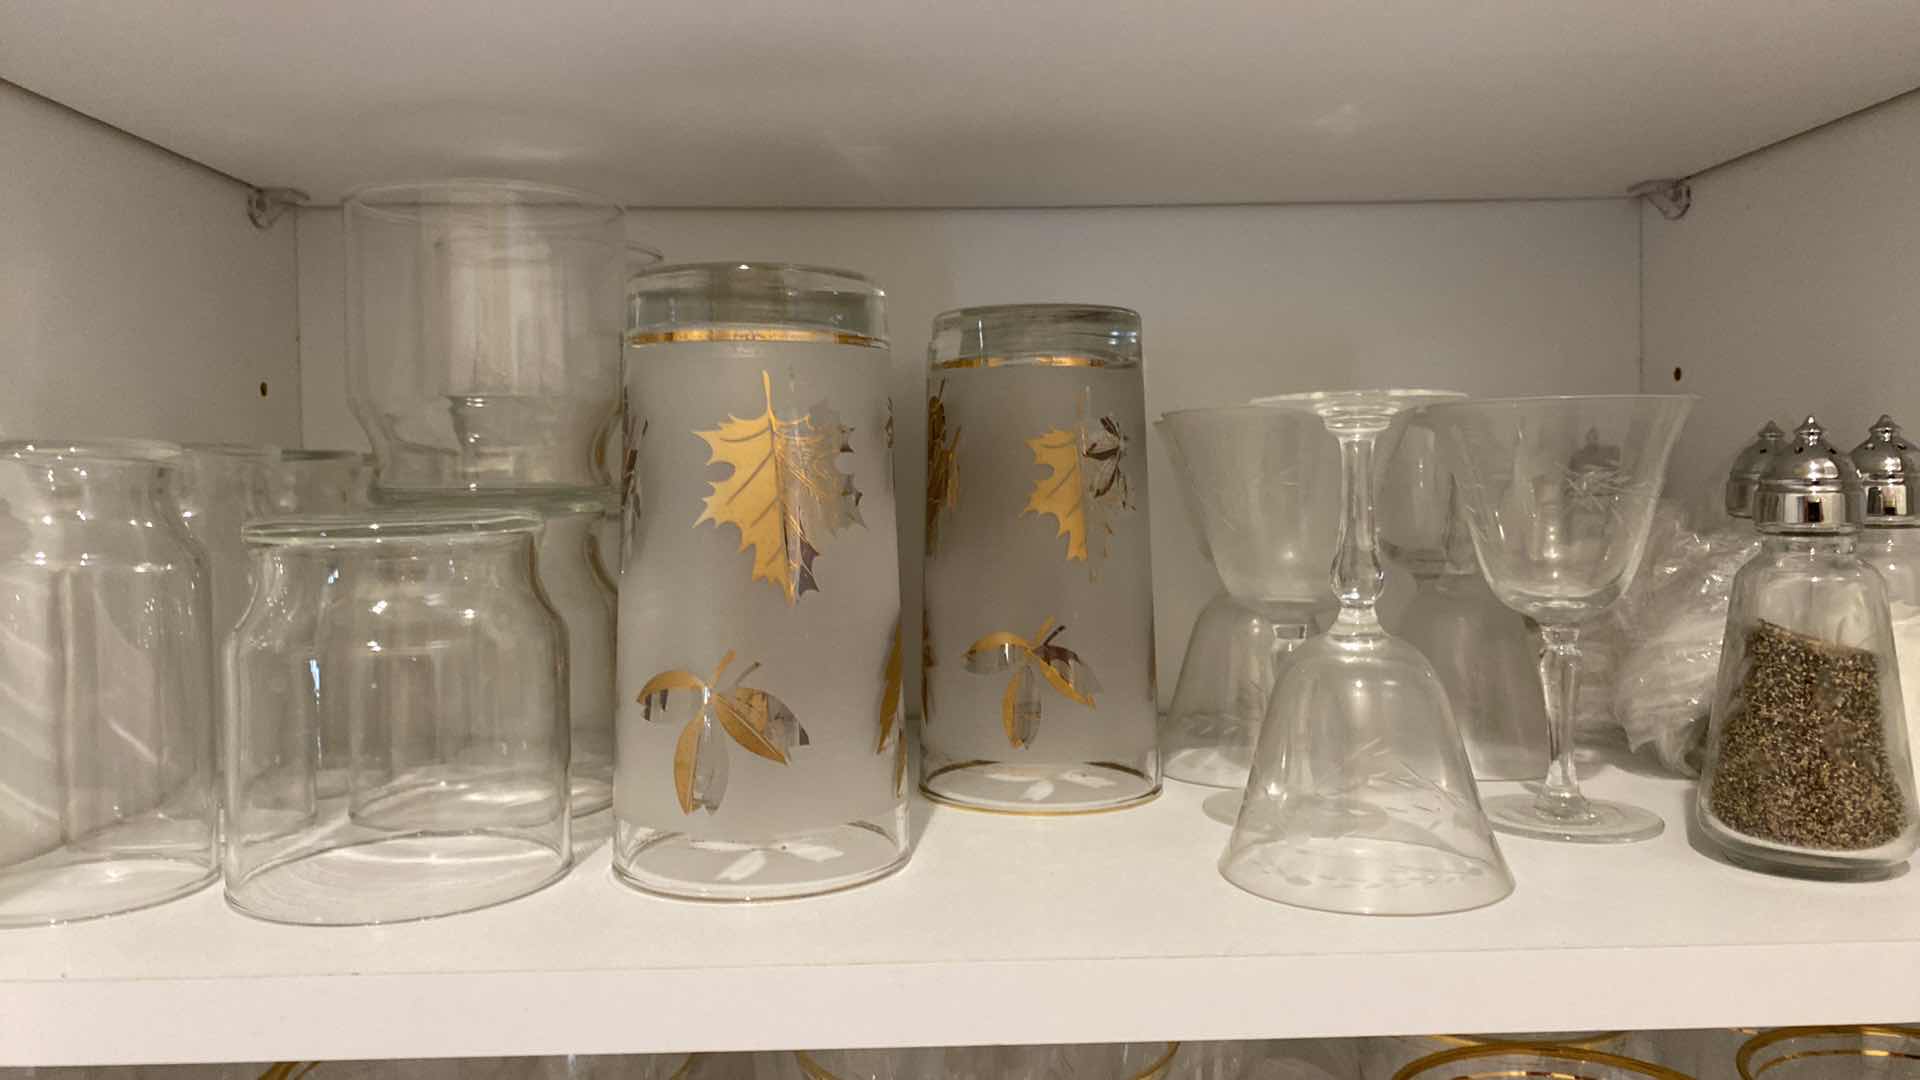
x=785 y=493
x=943 y=466
x=632 y=430
x=755 y=720
x=890 y=696
x=926 y=668
x=1031 y=660
x=1085 y=484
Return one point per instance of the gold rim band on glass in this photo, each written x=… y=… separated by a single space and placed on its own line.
x=813 y=1070
x=754 y=333
x=1051 y=360
x=1743 y=1058
x=947 y=800
x=1568 y=1054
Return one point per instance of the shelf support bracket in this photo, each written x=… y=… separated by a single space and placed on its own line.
x=1673 y=198
x=266 y=205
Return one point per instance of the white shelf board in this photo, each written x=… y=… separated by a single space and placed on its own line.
x=1001 y=102
x=1001 y=930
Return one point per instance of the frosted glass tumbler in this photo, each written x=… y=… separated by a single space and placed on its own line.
x=422 y=639
x=760 y=751
x=1038 y=583
x=483 y=332
x=106 y=696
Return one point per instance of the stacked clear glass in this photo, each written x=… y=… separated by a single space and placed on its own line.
x=1263 y=486
x=106 y=684
x=423 y=639
x=1520 y=1060
x=1361 y=799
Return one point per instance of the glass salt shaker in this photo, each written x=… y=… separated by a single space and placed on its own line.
x=1889 y=466
x=1807 y=767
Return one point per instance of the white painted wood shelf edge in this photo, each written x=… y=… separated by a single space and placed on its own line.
x=1002 y=930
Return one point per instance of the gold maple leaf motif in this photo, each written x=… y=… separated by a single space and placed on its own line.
x=1084 y=485
x=943 y=466
x=890 y=696
x=785 y=494
x=759 y=722
x=1027 y=658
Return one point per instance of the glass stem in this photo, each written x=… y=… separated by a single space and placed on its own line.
x=1560 y=681
x=1357 y=574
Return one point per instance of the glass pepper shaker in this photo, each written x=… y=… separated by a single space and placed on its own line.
x=1807 y=766
x=1889 y=467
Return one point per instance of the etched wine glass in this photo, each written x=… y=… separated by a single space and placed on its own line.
x=1560 y=493
x=1361 y=799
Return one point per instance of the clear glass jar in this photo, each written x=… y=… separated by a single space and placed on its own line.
x=106 y=693
x=1890 y=542
x=1038 y=583
x=1807 y=767
x=483 y=332
x=760 y=751
x=422 y=638
x=220 y=486
x=320 y=482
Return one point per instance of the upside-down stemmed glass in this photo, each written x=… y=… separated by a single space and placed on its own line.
x=1361 y=799
x=1560 y=493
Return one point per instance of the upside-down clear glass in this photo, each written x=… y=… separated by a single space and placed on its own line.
x=320 y=482
x=1856 y=1052
x=422 y=638
x=760 y=749
x=1361 y=799
x=106 y=691
x=1560 y=492
x=483 y=332
x=1263 y=485
x=1038 y=584
x=1517 y=1060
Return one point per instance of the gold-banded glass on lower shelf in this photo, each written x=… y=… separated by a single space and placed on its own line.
x=1855 y=1052
x=1521 y=1061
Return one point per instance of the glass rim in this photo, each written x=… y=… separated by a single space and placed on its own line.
x=525 y=501
x=1412 y=1069
x=400 y=200
x=736 y=266
x=1743 y=1057
x=115 y=450
x=235 y=450
x=1541 y=399
x=381 y=525
x=976 y=311
x=812 y=1069
x=1309 y=398
x=1240 y=407
x=302 y=453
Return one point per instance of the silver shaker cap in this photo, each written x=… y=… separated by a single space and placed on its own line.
x=1889 y=469
x=1744 y=478
x=1809 y=486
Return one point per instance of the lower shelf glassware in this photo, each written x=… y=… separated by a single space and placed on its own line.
x=1861 y=1052
x=1262 y=485
x=1517 y=1060
x=106 y=694
x=1361 y=799
x=421 y=638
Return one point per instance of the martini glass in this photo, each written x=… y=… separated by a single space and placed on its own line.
x=1361 y=799
x=1560 y=495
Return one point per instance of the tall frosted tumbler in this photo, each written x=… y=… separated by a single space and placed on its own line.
x=759 y=751
x=483 y=332
x=1038 y=633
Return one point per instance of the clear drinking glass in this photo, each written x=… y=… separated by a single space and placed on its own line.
x=1560 y=492
x=221 y=486
x=483 y=332
x=1859 y=1052
x=1516 y=1060
x=1361 y=799
x=1039 y=664
x=424 y=639
x=1484 y=653
x=106 y=693
x=320 y=482
x=760 y=750
x=922 y=1063
x=1263 y=485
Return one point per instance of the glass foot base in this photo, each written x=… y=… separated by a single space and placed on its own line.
x=1208 y=766
x=86 y=890
x=588 y=794
x=398 y=879
x=806 y=864
x=1604 y=823
x=1224 y=806
x=1066 y=788
x=1357 y=875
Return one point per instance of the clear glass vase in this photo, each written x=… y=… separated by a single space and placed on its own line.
x=106 y=692
x=760 y=750
x=483 y=332
x=422 y=640
x=1039 y=664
